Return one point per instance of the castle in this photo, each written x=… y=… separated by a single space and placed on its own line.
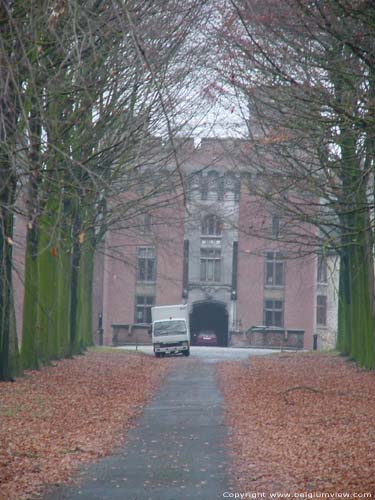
x=208 y=239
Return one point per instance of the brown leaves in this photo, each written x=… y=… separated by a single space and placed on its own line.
x=76 y=411
x=301 y=423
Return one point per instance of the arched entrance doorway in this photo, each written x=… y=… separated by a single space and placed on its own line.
x=210 y=316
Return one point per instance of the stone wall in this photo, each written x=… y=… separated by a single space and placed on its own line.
x=269 y=337
x=130 y=334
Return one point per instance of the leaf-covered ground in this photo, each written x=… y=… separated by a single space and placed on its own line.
x=76 y=411
x=300 y=423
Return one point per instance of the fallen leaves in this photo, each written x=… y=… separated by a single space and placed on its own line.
x=300 y=423
x=76 y=411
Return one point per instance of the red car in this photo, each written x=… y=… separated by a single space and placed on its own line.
x=206 y=338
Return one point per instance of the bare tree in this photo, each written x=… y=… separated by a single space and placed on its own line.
x=86 y=86
x=304 y=71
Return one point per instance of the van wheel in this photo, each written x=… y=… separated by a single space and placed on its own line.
x=187 y=353
x=157 y=354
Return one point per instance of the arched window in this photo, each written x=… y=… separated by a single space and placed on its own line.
x=211 y=225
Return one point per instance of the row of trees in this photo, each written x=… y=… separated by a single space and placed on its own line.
x=303 y=73
x=83 y=86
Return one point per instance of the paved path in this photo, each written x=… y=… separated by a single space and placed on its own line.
x=176 y=451
x=212 y=354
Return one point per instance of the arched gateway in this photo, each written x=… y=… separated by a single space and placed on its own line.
x=210 y=316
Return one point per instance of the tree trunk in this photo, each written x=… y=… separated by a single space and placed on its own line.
x=84 y=295
x=6 y=291
x=75 y=341
x=356 y=314
x=48 y=257
x=64 y=289
x=8 y=182
x=29 y=349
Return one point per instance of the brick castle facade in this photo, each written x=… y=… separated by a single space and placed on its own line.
x=212 y=243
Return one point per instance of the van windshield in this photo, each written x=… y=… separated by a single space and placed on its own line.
x=173 y=327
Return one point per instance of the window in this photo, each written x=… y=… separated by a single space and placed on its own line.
x=146 y=268
x=274 y=269
x=147 y=221
x=173 y=327
x=322 y=270
x=275 y=226
x=237 y=190
x=273 y=313
x=212 y=226
x=204 y=189
x=140 y=187
x=210 y=264
x=143 y=304
x=321 y=310
x=220 y=189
